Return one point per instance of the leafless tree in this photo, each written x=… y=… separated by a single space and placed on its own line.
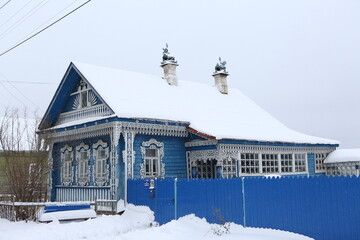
x=25 y=156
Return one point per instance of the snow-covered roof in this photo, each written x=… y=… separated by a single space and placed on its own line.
x=343 y=155
x=230 y=116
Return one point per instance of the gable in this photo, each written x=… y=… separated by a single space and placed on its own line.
x=75 y=99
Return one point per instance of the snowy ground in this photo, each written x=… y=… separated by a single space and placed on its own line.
x=135 y=224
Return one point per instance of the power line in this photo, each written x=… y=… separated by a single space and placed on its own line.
x=23 y=18
x=52 y=17
x=27 y=39
x=15 y=13
x=5 y=4
x=12 y=94
x=28 y=99
x=7 y=81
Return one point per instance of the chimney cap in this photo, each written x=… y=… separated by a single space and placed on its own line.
x=167 y=57
x=220 y=68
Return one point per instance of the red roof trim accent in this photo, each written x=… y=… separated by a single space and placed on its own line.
x=200 y=133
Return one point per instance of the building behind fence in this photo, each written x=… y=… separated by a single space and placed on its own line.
x=319 y=207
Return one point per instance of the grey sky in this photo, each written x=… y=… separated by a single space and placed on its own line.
x=299 y=60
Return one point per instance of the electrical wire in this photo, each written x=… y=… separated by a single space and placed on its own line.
x=14 y=96
x=35 y=34
x=52 y=17
x=28 y=99
x=15 y=13
x=7 y=81
x=23 y=18
x=5 y=4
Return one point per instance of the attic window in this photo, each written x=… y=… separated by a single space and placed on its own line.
x=84 y=97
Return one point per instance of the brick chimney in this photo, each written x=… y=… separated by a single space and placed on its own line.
x=220 y=76
x=169 y=65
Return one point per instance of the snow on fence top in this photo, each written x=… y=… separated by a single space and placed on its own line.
x=344 y=155
x=229 y=116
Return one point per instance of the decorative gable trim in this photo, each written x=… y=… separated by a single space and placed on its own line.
x=53 y=112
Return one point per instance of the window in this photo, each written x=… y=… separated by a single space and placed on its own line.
x=270 y=163
x=151 y=162
x=83 y=164
x=300 y=162
x=229 y=168
x=286 y=163
x=205 y=169
x=67 y=170
x=249 y=163
x=319 y=162
x=84 y=99
x=152 y=152
x=101 y=163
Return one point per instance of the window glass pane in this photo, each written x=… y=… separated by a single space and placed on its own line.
x=84 y=99
x=84 y=155
x=67 y=156
x=155 y=168
x=147 y=166
x=101 y=153
x=151 y=152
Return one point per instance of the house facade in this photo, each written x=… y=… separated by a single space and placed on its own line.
x=109 y=125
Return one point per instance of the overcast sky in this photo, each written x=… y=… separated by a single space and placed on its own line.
x=299 y=60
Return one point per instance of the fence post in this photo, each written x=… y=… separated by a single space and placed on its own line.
x=243 y=199
x=175 y=196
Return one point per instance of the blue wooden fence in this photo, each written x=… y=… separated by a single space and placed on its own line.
x=324 y=208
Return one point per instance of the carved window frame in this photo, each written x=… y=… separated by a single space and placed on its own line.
x=104 y=162
x=83 y=180
x=159 y=147
x=67 y=179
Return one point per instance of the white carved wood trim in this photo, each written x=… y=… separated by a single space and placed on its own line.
x=66 y=181
x=116 y=128
x=201 y=143
x=85 y=181
x=273 y=149
x=152 y=144
x=107 y=129
x=93 y=111
x=100 y=181
x=129 y=153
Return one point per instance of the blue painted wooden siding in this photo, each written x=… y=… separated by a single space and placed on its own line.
x=311 y=163
x=56 y=155
x=174 y=155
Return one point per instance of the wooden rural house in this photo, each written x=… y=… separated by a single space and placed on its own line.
x=110 y=125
